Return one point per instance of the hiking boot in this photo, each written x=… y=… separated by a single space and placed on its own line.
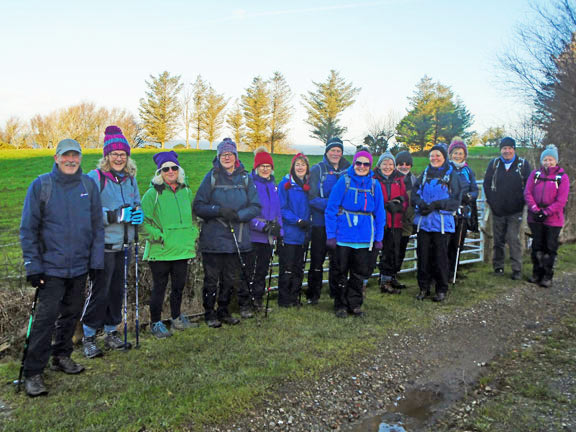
x=312 y=302
x=230 y=320
x=90 y=348
x=66 y=365
x=387 y=288
x=516 y=275
x=34 y=385
x=160 y=331
x=358 y=312
x=439 y=297
x=341 y=313
x=423 y=294
x=246 y=313
x=534 y=279
x=214 y=323
x=113 y=341
x=396 y=284
x=545 y=283
x=499 y=271
x=182 y=323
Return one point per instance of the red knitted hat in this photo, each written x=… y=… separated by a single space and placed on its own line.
x=262 y=157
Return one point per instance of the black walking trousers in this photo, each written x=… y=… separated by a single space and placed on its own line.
x=318 y=251
x=177 y=270
x=59 y=307
x=103 y=306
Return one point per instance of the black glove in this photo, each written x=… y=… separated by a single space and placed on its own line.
x=228 y=214
x=273 y=228
x=303 y=224
x=424 y=209
x=466 y=198
x=93 y=274
x=36 y=280
x=540 y=216
x=436 y=205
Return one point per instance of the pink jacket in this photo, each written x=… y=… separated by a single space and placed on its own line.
x=547 y=190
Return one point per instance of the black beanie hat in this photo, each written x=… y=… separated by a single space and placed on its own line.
x=441 y=147
x=334 y=142
x=404 y=157
x=508 y=142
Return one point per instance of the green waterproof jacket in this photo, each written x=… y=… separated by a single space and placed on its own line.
x=171 y=231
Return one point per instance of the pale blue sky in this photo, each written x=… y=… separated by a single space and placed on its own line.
x=58 y=53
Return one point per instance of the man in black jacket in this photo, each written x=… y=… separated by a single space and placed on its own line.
x=504 y=183
x=62 y=237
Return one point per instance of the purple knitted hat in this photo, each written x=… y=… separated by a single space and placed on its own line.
x=114 y=140
x=458 y=143
x=227 y=146
x=163 y=157
x=363 y=153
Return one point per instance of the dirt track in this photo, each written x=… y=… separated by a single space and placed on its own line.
x=431 y=369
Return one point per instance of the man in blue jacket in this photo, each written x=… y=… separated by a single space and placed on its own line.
x=323 y=177
x=62 y=241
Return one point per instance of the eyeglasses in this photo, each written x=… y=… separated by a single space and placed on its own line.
x=226 y=155
x=404 y=164
x=265 y=166
x=173 y=168
x=362 y=164
x=119 y=155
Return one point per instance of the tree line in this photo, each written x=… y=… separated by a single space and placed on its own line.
x=260 y=117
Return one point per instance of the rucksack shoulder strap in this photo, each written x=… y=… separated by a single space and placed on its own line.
x=45 y=190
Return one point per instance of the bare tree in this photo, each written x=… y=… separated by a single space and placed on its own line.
x=381 y=131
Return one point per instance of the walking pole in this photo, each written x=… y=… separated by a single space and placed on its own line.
x=274 y=247
x=460 y=229
x=242 y=263
x=304 y=268
x=125 y=285
x=137 y=303
x=27 y=340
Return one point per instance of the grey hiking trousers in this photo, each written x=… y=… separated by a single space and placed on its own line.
x=506 y=230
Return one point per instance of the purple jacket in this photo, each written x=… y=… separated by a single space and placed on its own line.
x=547 y=189
x=268 y=194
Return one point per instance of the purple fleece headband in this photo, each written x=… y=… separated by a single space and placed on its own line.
x=363 y=153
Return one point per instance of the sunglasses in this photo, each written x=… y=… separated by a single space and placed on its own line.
x=173 y=168
x=364 y=164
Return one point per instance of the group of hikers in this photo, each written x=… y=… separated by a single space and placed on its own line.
x=77 y=227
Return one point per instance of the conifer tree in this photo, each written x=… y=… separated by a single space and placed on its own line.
x=256 y=108
x=160 y=109
x=235 y=122
x=213 y=118
x=325 y=105
x=280 y=109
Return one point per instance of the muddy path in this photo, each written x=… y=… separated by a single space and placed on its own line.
x=415 y=376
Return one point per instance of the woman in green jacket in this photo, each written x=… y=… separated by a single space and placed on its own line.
x=171 y=239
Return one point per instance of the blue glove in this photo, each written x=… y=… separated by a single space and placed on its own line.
x=124 y=214
x=137 y=217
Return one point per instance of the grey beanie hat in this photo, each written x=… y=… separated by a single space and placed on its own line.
x=386 y=155
x=550 y=150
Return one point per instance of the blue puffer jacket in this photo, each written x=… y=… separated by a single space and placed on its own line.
x=235 y=191
x=117 y=193
x=268 y=194
x=323 y=177
x=467 y=180
x=441 y=189
x=367 y=226
x=295 y=206
x=67 y=238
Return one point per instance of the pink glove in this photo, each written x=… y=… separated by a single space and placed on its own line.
x=331 y=243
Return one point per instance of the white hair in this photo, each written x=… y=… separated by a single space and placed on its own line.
x=158 y=180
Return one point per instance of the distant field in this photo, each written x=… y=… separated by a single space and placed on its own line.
x=21 y=167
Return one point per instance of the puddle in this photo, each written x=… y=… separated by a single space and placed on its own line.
x=410 y=413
